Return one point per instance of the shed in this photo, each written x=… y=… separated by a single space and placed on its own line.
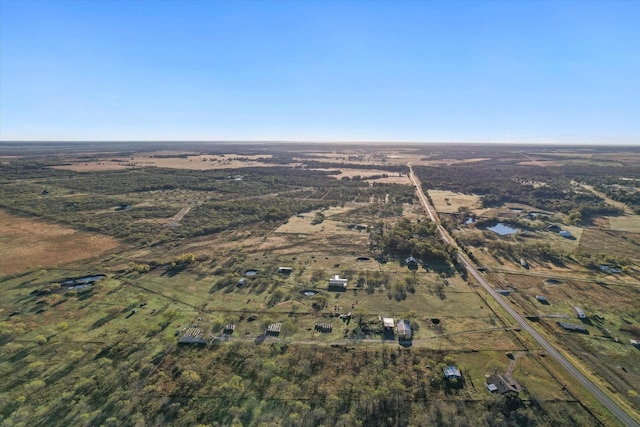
x=404 y=329
x=578 y=311
x=452 y=372
x=573 y=328
x=285 y=270
x=412 y=263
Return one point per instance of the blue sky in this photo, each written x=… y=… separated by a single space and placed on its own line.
x=504 y=71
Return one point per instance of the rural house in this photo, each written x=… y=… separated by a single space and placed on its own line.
x=499 y=384
x=387 y=322
x=338 y=284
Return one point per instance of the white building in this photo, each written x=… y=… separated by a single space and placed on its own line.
x=578 y=311
x=387 y=322
x=337 y=283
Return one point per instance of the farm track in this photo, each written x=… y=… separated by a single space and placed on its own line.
x=603 y=398
x=176 y=219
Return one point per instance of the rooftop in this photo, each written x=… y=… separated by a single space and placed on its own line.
x=452 y=372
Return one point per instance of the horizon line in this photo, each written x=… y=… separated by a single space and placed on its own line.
x=303 y=141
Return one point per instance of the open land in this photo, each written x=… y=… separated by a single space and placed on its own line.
x=242 y=276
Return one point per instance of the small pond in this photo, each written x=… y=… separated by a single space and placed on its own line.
x=553 y=282
x=250 y=273
x=503 y=229
x=470 y=221
x=83 y=280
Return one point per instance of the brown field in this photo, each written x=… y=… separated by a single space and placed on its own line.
x=195 y=161
x=393 y=178
x=625 y=223
x=28 y=243
x=449 y=162
x=568 y=162
x=449 y=202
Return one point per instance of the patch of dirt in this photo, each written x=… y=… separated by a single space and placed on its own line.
x=27 y=243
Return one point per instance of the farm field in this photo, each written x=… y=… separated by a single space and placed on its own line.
x=29 y=243
x=106 y=272
x=450 y=202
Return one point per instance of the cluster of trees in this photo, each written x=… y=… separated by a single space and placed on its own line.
x=629 y=193
x=134 y=383
x=503 y=182
x=212 y=217
x=593 y=260
x=419 y=239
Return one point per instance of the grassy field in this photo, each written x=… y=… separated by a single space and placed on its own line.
x=627 y=223
x=450 y=202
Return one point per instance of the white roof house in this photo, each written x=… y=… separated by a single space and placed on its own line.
x=388 y=322
x=337 y=282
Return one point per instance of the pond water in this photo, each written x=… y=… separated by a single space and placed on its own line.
x=553 y=281
x=83 y=280
x=503 y=229
x=250 y=273
x=470 y=221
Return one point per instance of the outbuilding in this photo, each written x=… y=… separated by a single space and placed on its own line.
x=578 y=311
x=452 y=372
x=412 y=263
x=285 y=270
x=404 y=329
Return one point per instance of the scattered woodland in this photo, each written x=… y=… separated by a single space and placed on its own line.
x=200 y=250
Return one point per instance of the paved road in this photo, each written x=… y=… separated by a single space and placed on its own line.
x=607 y=402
